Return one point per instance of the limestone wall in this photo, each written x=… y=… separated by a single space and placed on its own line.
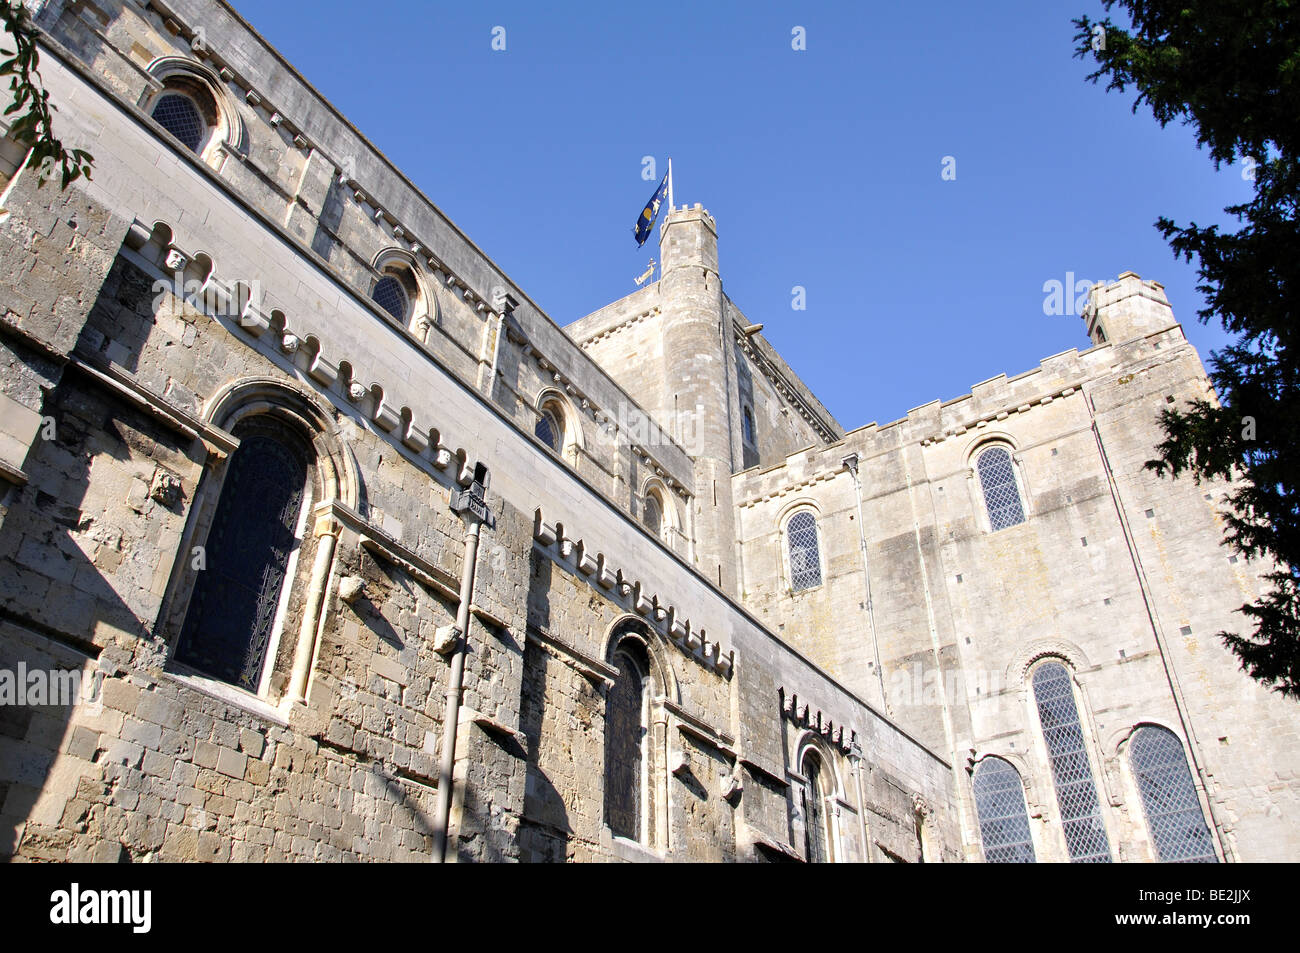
x=959 y=612
x=99 y=562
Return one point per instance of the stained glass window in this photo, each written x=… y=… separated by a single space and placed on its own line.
x=1173 y=811
x=1085 y=833
x=391 y=296
x=228 y=624
x=624 y=729
x=1004 y=820
x=179 y=116
x=805 y=558
x=1001 y=495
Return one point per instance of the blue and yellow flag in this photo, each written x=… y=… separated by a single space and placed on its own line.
x=647 y=217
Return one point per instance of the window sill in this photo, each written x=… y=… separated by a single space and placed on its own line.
x=230 y=695
x=990 y=531
x=796 y=593
x=634 y=852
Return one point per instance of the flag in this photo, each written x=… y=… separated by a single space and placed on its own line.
x=647 y=217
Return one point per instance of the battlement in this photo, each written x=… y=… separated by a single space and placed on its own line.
x=688 y=237
x=688 y=213
x=991 y=401
x=1125 y=309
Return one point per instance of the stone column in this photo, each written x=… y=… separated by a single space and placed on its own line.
x=327 y=534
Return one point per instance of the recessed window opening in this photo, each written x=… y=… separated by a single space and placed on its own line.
x=179 y=115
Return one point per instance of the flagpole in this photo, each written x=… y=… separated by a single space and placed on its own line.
x=670 y=183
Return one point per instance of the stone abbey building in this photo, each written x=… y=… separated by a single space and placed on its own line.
x=319 y=540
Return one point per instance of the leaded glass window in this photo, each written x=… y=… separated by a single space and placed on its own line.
x=232 y=610
x=652 y=515
x=805 y=557
x=1004 y=820
x=391 y=296
x=549 y=430
x=624 y=730
x=1001 y=495
x=747 y=426
x=179 y=116
x=814 y=810
x=1173 y=811
x=1085 y=832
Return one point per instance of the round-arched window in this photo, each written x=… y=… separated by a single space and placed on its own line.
x=391 y=296
x=805 y=554
x=1085 y=831
x=550 y=429
x=1004 y=820
x=814 y=809
x=1001 y=494
x=652 y=514
x=179 y=115
x=233 y=611
x=625 y=731
x=1173 y=811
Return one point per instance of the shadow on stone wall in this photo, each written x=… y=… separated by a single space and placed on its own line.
x=544 y=830
x=64 y=565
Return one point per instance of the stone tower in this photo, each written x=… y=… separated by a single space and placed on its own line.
x=1127 y=309
x=698 y=371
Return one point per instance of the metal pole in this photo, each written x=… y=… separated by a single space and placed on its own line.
x=451 y=714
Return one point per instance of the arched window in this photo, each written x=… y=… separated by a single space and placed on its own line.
x=805 y=557
x=1001 y=494
x=625 y=728
x=550 y=429
x=1085 y=832
x=402 y=293
x=652 y=514
x=255 y=531
x=194 y=104
x=1173 y=811
x=182 y=117
x=391 y=296
x=813 y=796
x=1004 y=820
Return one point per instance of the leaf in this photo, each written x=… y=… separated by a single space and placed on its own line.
x=34 y=126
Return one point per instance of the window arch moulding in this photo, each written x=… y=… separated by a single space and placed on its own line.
x=227 y=131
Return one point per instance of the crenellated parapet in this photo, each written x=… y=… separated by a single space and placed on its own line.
x=301 y=341
x=620 y=585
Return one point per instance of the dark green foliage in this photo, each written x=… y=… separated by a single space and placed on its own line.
x=1231 y=70
x=34 y=125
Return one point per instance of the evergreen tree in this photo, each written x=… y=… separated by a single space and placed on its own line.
x=1231 y=70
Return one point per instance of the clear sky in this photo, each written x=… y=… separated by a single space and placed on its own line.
x=822 y=166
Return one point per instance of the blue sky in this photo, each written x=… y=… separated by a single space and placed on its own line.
x=821 y=166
